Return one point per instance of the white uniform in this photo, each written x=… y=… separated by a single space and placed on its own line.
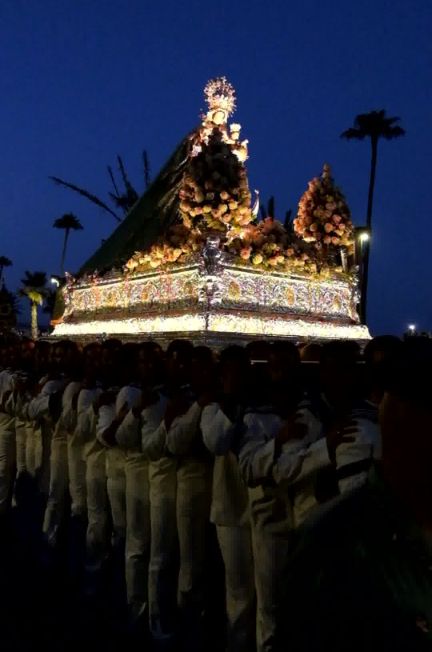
x=20 y=436
x=97 y=538
x=281 y=495
x=58 y=486
x=231 y=514
x=7 y=441
x=38 y=411
x=194 y=476
x=163 y=568
x=76 y=464
x=353 y=458
x=115 y=461
x=24 y=422
x=138 y=537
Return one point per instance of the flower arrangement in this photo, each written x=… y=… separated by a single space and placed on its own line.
x=268 y=245
x=178 y=246
x=214 y=196
x=323 y=216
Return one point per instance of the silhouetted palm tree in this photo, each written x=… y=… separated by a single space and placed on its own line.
x=68 y=222
x=122 y=200
x=373 y=125
x=35 y=290
x=4 y=262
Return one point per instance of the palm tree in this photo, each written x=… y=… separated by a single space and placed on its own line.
x=373 y=125
x=4 y=262
x=69 y=222
x=35 y=290
x=122 y=200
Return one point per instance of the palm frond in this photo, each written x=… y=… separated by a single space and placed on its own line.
x=85 y=193
x=68 y=221
x=113 y=181
x=146 y=164
x=375 y=124
x=353 y=133
x=394 y=132
x=131 y=194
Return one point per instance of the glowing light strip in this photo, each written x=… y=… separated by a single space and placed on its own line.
x=217 y=324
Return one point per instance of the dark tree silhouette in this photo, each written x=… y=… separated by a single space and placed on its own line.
x=4 y=262
x=123 y=200
x=373 y=125
x=68 y=222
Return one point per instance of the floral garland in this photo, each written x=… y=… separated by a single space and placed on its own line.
x=323 y=216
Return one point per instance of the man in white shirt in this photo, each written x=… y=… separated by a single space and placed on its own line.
x=55 y=512
x=44 y=410
x=128 y=437
x=163 y=569
x=222 y=428
x=194 y=472
x=114 y=405
x=279 y=456
x=349 y=419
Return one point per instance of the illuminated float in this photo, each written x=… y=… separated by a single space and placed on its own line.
x=193 y=260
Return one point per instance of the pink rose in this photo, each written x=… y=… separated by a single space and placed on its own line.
x=245 y=253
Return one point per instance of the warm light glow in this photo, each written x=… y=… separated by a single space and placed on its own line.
x=232 y=303
x=55 y=281
x=364 y=237
x=222 y=323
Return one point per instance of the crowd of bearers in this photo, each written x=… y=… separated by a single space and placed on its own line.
x=157 y=467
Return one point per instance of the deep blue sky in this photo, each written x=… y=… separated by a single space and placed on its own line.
x=83 y=80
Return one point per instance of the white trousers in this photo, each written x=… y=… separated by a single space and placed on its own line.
x=163 y=568
x=42 y=455
x=7 y=463
x=235 y=544
x=58 y=487
x=116 y=487
x=270 y=551
x=137 y=532
x=194 y=480
x=97 y=538
x=77 y=478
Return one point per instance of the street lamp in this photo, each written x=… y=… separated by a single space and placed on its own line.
x=412 y=329
x=363 y=238
x=55 y=281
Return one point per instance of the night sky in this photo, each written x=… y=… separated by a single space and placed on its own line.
x=83 y=80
